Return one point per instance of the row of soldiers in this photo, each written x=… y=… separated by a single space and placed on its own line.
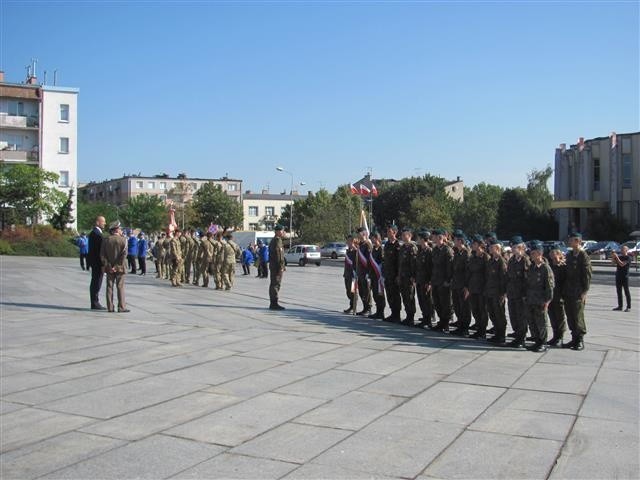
x=448 y=277
x=183 y=257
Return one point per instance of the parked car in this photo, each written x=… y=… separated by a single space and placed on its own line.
x=586 y=244
x=633 y=246
x=302 y=254
x=603 y=249
x=334 y=250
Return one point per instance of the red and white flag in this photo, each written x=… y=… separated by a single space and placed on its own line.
x=354 y=190
x=363 y=221
x=364 y=190
x=374 y=190
x=581 y=144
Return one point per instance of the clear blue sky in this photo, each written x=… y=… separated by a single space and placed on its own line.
x=483 y=90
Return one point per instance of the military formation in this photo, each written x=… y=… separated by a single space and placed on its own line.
x=474 y=280
x=183 y=257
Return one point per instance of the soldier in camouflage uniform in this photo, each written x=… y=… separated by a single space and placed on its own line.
x=424 y=267
x=517 y=268
x=496 y=291
x=576 y=287
x=442 y=259
x=217 y=259
x=407 y=275
x=205 y=253
x=231 y=254
x=175 y=252
x=475 y=284
x=390 y=272
x=539 y=292
x=461 y=304
x=184 y=245
x=556 y=308
x=159 y=254
x=192 y=246
x=375 y=274
x=168 y=269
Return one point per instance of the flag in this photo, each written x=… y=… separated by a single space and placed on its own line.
x=172 y=218
x=374 y=190
x=354 y=190
x=363 y=221
x=614 y=140
x=581 y=144
x=212 y=228
x=364 y=190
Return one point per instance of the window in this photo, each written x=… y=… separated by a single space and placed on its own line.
x=64 y=112
x=626 y=145
x=194 y=186
x=16 y=109
x=232 y=187
x=269 y=211
x=63 y=181
x=64 y=145
x=163 y=185
x=253 y=226
x=596 y=174
x=151 y=185
x=253 y=211
x=139 y=184
x=282 y=210
x=626 y=171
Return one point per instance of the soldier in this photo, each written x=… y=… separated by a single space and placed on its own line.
x=375 y=274
x=475 y=285
x=217 y=259
x=231 y=254
x=407 y=275
x=442 y=259
x=159 y=254
x=362 y=271
x=556 y=308
x=175 y=252
x=197 y=240
x=189 y=257
x=575 y=291
x=113 y=254
x=205 y=252
x=276 y=267
x=349 y=273
x=496 y=291
x=184 y=245
x=424 y=267
x=517 y=268
x=539 y=292
x=461 y=302
x=390 y=272
x=168 y=268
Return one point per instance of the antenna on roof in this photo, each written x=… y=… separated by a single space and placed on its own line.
x=55 y=77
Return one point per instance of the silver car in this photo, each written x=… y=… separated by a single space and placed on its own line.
x=334 y=250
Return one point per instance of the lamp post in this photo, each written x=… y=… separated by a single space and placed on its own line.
x=280 y=169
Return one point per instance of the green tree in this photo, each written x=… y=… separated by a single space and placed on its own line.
x=478 y=213
x=538 y=193
x=427 y=211
x=211 y=204
x=147 y=212
x=60 y=219
x=27 y=193
x=516 y=216
x=603 y=225
x=88 y=211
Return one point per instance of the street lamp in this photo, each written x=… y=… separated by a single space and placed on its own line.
x=280 y=169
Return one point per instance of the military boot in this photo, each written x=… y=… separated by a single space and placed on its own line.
x=578 y=344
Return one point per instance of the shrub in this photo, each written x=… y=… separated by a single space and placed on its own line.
x=39 y=241
x=5 y=247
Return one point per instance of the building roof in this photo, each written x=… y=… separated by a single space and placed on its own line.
x=163 y=178
x=273 y=196
x=598 y=139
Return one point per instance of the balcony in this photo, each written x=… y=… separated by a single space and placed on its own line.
x=15 y=121
x=18 y=156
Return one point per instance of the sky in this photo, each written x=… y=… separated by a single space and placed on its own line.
x=329 y=90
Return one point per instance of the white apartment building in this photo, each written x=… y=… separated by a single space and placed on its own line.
x=261 y=211
x=39 y=127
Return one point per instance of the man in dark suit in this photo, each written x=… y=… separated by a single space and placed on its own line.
x=95 y=263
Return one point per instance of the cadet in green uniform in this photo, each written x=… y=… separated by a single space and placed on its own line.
x=168 y=269
x=362 y=270
x=206 y=258
x=276 y=267
x=184 y=245
x=189 y=256
x=424 y=267
x=390 y=272
x=231 y=254
x=461 y=304
x=539 y=292
x=159 y=247
x=556 y=308
x=349 y=273
x=375 y=274
x=496 y=290
x=575 y=291
x=517 y=268
x=175 y=252
x=475 y=285
x=217 y=259
x=442 y=258
x=196 y=257
x=407 y=275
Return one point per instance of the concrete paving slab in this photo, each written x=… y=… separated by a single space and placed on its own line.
x=291 y=351
x=622 y=360
x=615 y=395
x=450 y=402
x=329 y=385
x=564 y=356
x=497 y=368
x=599 y=449
x=392 y=446
x=8 y=407
x=12 y=366
x=31 y=425
x=120 y=399
x=154 y=457
x=313 y=471
x=53 y=454
x=352 y=411
x=292 y=443
x=26 y=381
x=344 y=354
x=150 y=420
x=239 y=423
x=493 y=455
x=255 y=384
x=558 y=378
x=537 y=401
x=238 y=467
x=524 y=423
x=185 y=360
x=447 y=361
x=84 y=354
x=406 y=382
x=383 y=363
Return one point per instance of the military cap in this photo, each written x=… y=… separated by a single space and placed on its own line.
x=458 y=234
x=393 y=227
x=114 y=225
x=278 y=228
x=575 y=235
x=440 y=231
x=490 y=235
x=349 y=236
x=537 y=245
x=361 y=229
x=493 y=241
x=424 y=234
x=478 y=238
x=516 y=240
x=407 y=230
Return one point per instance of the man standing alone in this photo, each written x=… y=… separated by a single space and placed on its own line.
x=276 y=267
x=94 y=262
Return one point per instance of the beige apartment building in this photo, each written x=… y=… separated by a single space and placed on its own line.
x=598 y=173
x=179 y=190
x=261 y=211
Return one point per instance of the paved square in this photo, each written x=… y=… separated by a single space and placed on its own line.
x=197 y=383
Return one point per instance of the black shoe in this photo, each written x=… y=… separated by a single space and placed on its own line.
x=628 y=309
x=514 y=344
x=392 y=318
x=439 y=328
x=276 y=307
x=496 y=340
x=124 y=310
x=348 y=310
x=98 y=307
x=540 y=348
x=473 y=327
x=479 y=336
x=617 y=309
x=454 y=324
x=365 y=312
x=511 y=335
x=570 y=344
x=409 y=322
x=554 y=342
x=578 y=345
x=460 y=332
x=530 y=339
x=492 y=330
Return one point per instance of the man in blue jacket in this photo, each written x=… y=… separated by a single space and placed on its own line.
x=83 y=245
x=132 y=251
x=143 y=246
x=247 y=260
